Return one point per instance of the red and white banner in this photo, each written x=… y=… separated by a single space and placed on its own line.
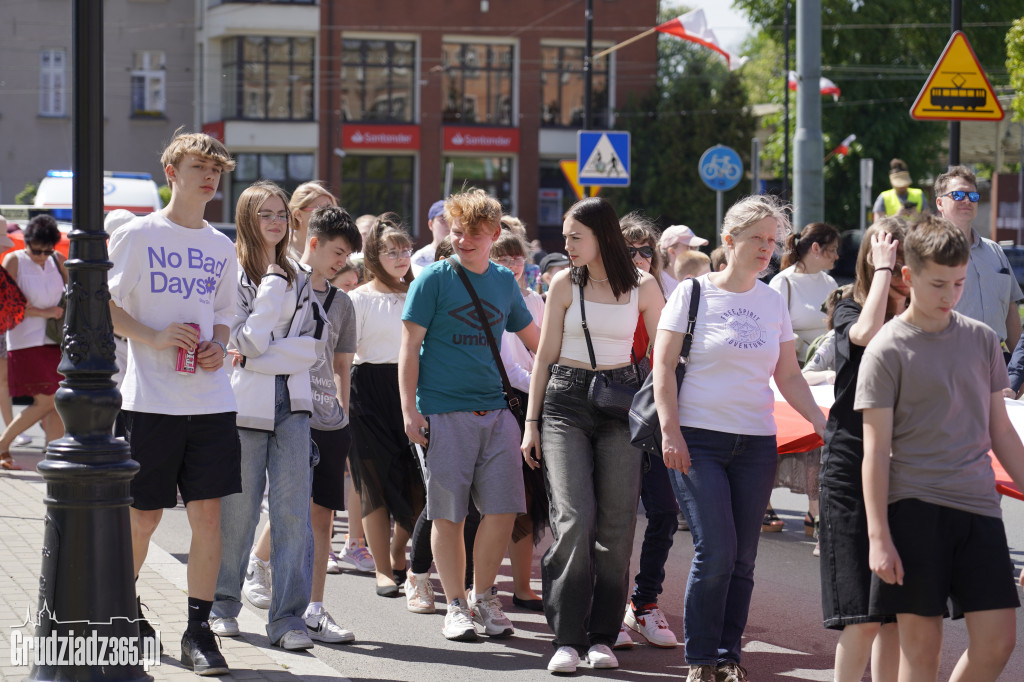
x=825 y=86
x=693 y=26
x=474 y=139
x=844 y=147
x=379 y=136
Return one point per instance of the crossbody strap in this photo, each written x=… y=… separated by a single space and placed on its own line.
x=331 y=293
x=590 y=343
x=513 y=401
x=692 y=321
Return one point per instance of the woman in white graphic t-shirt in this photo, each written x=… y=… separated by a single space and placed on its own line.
x=718 y=431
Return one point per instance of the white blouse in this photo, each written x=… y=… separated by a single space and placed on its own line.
x=378 y=326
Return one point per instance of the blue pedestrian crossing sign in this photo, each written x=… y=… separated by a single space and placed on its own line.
x=603 y=158
x=720 y=168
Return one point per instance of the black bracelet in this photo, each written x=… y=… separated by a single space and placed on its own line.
x=889 y=268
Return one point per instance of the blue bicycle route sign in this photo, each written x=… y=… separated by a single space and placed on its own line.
x=720 y=168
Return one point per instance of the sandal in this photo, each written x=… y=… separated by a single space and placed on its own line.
x=771 y=522
x=810 y=525
x=7 y=462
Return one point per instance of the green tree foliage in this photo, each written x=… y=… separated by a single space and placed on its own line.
x=27 y=195
x=696 y=103
x=1015 y=65
x=880 y=55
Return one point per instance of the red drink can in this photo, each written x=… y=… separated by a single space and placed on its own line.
x=186 y=363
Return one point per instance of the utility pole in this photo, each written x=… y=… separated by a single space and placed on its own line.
x=955 y=24
x=785 y=106
x=809 y=148
x=588 y=70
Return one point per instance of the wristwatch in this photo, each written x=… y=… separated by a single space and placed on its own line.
x=222 y=347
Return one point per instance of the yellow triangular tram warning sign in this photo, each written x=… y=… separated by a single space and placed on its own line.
x=957 y=89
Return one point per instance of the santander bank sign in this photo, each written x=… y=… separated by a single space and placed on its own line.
x=368 y=136
x=476 y=139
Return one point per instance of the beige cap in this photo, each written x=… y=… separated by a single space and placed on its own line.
x=680 y=234
x=899 y=179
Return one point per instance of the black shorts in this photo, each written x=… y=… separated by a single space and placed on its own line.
x=950 y=553
x=197 y=454
x=329 y=474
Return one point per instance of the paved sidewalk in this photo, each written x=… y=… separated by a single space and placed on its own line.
x=162 y=586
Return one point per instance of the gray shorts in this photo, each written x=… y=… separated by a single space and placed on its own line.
x=473 y=454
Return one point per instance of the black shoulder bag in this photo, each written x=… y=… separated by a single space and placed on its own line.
x=609 y=397
x=644 y=426
x=513 y=401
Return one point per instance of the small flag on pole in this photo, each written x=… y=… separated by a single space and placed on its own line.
x=825 y=86
x=693 y=26
x=844 y=147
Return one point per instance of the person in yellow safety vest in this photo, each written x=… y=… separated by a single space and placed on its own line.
x=902 y=200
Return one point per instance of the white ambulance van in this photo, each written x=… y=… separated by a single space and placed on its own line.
x=136 y=192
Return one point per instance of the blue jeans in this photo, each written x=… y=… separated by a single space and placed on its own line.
x=662 y=522
x=593 y=481
x=284 y=455
x=724 y=498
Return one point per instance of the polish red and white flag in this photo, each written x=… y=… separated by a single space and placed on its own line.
x=693 y=26
x=825 y=86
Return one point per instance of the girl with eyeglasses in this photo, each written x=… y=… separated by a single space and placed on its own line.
x=878 y=295
x=276 y=337
x=32 y=356
x=385 y=469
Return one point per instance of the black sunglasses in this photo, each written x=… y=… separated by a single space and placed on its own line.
x=645 y=251
x=40 y=252
x=959 y=194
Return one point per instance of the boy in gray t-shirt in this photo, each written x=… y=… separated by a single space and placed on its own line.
x=930 y=388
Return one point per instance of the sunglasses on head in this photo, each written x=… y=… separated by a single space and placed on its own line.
x=646 y=251
x=959 y=195
x=40 y=252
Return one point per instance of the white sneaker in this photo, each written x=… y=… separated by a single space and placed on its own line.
x=623 y=641
x=419 y=593
x=225 y=627
x=488 y=612
x=257 y=585
x=294 y=640
x=565 y=660
x=354 y=552
x=333 y=567
x=458 y=623
x=600 y=656
x=21 y=441
x=651 y=624
x=322 y=628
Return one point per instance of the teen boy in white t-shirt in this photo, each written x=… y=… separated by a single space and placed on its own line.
x=171 y=268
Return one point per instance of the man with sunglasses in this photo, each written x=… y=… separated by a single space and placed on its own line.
x=991 y=291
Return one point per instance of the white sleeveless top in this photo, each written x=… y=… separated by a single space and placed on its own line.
x=42 y=287
x=611 y=326
x=378 y=326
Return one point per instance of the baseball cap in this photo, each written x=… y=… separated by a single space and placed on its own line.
x=436 y=209
x=553 y=260
x=680 y=234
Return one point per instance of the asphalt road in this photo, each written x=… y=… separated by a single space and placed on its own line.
x=784 y=638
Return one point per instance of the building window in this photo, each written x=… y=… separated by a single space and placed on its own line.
x=268 y=78
x=53 y=82
x=378 y=184
x=287 y=170
x=491 y=174
x=149 y=79
x=377 y=79
x=478 y=83
x=561 y=88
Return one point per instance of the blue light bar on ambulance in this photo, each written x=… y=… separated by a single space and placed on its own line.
x=106 y=174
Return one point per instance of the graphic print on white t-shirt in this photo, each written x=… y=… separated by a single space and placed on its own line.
x=184 y=272
x=745 y=329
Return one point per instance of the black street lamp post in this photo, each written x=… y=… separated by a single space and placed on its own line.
x=86 y=585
